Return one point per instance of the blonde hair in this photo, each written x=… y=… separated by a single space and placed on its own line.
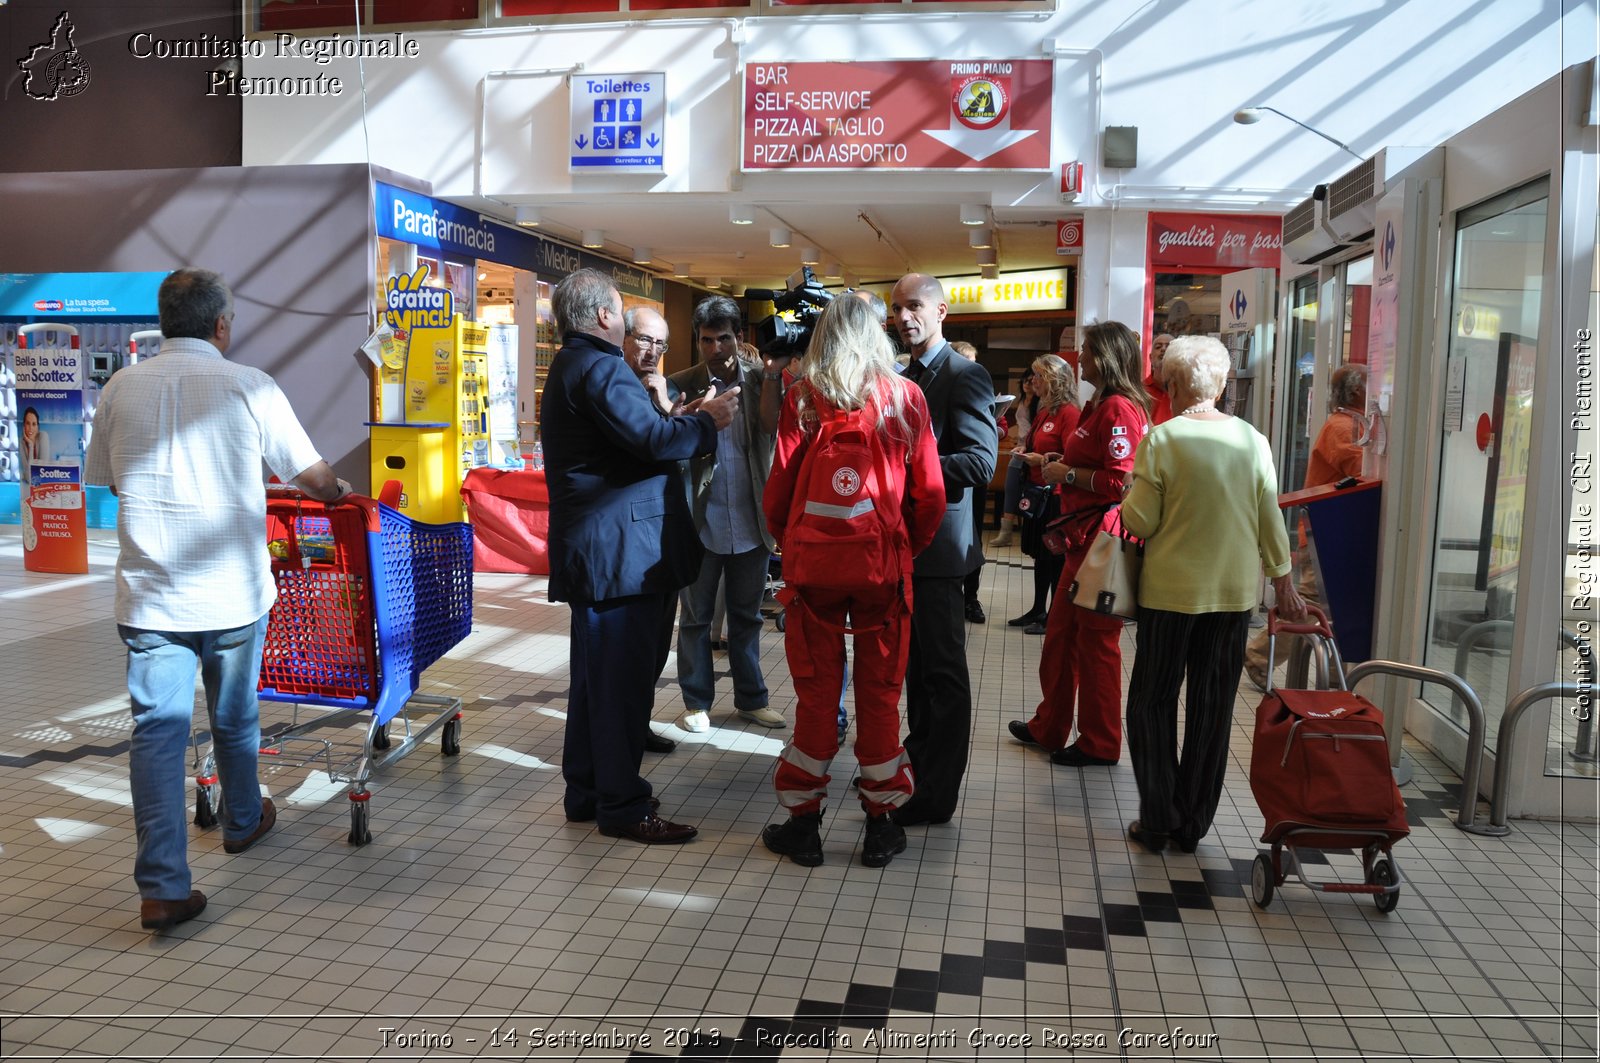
x=1061 y=383
x=850 y=363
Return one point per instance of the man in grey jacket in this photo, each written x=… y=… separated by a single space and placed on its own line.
x=960 y=398
x=725 y=490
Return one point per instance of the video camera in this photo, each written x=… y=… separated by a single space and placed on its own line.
x=805 y=299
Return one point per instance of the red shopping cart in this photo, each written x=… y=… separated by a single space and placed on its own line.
x=1319 y=769
x=367 y=600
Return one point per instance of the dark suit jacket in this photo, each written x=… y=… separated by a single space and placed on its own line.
x=619 y=516
x=961 y=405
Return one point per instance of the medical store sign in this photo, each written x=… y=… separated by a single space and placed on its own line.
x=985 y=114
x=618 y=123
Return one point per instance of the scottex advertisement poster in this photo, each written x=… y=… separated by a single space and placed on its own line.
x=50 y=383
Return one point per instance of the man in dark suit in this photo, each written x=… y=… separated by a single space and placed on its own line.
x=960 y=398
x=621 y=544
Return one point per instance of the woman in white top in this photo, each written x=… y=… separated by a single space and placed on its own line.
x=35 y=442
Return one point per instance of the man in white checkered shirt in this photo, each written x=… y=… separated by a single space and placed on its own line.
x=181 y=439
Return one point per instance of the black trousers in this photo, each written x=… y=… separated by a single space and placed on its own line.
x=1178 y=795
x=617 y=656
x=938 y=695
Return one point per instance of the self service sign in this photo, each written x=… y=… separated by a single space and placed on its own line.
x=618 y=123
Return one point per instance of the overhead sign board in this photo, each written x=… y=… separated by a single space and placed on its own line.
x=1024 y=290
x=932 y=114
x=618 y=123
x=1186 y=240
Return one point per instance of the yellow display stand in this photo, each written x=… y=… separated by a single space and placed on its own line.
x=442 y=432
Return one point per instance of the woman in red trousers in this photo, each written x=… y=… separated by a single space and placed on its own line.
x=892 y=485
x=1080 y=668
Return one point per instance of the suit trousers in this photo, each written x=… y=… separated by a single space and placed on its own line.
x=938 y=694
x=815 y=648
x=1179 y=795
x=614 y=669
x=1080 y=676
x=743 y=578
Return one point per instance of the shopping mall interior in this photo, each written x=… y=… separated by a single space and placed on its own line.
x=1408 y=187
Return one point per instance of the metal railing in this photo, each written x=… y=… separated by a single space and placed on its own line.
x=1583 y=741
x=1505 y=744
x=1466 y=817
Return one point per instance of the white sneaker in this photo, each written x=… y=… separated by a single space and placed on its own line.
x=766 y=717
x=695 y=721
x=1003 y=539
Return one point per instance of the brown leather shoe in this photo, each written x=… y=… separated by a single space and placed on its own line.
x=652 y=830
x=158 y=915
x=269 y=816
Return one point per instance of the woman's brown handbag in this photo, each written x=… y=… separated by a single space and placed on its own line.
x=1108 y=580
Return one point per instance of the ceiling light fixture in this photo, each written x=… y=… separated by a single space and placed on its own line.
x=990 y=271
x=1252 y=115
x=779 y=237
x=483 y=276
x=983 y=237
x=641 y=256
x=742 y=214
x=529 y=217
x=832 y=271
x=594 y=238
x=713 y=282
x=974 y=214
x=987 y=256
x=682 y=270
x=810 y=256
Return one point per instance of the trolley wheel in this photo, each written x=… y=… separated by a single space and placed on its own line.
x=781 y=622
x=1262 y=879
x=360 y=834
x=450 y=738
x=1383 y=875
x=205 y=807
x=380 y=737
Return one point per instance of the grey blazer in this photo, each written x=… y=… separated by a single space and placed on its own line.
x=689 y=384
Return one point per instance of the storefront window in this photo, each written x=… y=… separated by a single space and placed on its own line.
x=1301 y=353
x=1357 y=310
x=1489 y=411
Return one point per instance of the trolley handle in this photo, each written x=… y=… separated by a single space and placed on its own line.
x=1321 y=626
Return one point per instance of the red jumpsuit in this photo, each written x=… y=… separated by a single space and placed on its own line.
x=1081 y=662
x=814 y=642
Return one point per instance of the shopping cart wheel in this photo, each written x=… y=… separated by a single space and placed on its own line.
x=450 y=738
x=1262 y=877
x=205 y=806
x=360 y=834
x=1383 y=875
x=781 y=621
x=380 y=737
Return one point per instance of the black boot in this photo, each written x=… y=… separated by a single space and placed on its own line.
x=799 y=839
x=884 y=839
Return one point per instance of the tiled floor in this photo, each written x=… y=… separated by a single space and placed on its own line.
x=480 y=924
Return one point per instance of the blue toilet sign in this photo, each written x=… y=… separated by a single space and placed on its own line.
x=618 y=122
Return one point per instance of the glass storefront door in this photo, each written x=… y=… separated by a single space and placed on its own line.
x=1489 y=410
x=1300 y=358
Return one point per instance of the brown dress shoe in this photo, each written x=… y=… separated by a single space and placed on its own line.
x=269 y=816
x=158 y=915
x=652 y=830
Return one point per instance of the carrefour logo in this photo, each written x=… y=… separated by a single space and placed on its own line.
x=409 y=304
x=1238 y=303
x=1389 y=242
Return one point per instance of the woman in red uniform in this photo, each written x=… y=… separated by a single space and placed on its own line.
x=1081 y=663
x=1053 y=424
x=849 y=366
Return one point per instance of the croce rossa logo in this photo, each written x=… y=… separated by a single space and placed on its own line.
x=54 y=69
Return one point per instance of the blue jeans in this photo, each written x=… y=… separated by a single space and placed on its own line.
x=161 y=670
x=744 y=578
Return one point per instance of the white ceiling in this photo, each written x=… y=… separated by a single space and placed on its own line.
x=872 y=241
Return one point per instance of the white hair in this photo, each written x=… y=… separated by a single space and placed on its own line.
x=1199 y=364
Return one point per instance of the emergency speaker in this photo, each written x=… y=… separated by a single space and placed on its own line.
x=1119 y=147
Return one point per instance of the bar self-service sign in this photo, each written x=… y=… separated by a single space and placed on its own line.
x=932 y=114
x=50 y=382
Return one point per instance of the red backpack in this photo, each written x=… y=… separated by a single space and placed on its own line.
x=847 y=530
